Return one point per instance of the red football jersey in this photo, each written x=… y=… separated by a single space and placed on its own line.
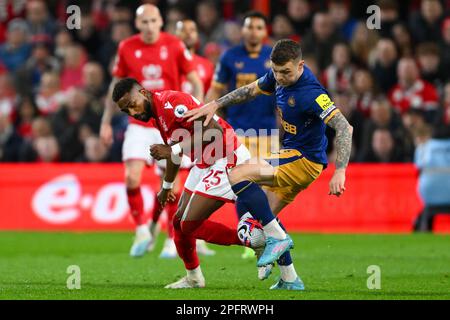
x=205 y=70
x=422 y=95
x=169 y=109
x=157 y=66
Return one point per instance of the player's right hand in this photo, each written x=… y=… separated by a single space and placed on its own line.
x=106 y=133
x=207 y=111
x=164 y=196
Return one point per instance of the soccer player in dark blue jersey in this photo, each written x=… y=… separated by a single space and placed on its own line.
x=255 y=120
x=305 y=108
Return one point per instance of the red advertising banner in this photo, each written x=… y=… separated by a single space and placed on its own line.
x=91 y=197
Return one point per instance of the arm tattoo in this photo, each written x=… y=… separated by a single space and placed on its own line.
x=240 y=95
x=343 y=139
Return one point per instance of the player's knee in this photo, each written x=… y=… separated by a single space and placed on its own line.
x=132 y=180
x=189 y=227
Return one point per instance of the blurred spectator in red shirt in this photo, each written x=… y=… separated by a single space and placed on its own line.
x=8 y=95
x=26 y=111
x=337 y=76
x=74 y=60
x=413 y=92
x=50 y=96
x=364 y=91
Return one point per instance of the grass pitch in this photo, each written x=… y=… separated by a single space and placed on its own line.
x=34 y=266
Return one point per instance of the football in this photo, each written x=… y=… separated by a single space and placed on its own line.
x=251 y=233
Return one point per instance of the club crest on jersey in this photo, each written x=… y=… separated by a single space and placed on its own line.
x=138 y=53
x=239 y=65
x=163 y=53
x=180 y=110
x=291 y=101
x=267 y=64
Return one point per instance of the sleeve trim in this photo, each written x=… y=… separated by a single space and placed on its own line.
x=267 y=93
x=331 y=115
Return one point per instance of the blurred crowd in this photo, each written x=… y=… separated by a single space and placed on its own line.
x=393 y=84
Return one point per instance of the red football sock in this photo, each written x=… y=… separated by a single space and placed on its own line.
x=186 y=246
x=156 y=212
x=171 y=209
x=212 y=232
x=136 y=203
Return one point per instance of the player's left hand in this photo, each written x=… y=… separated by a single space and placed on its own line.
x=337 y=183
x=160 y=151
x=164 y=196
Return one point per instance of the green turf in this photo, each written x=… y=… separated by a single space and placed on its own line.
x=33 y=266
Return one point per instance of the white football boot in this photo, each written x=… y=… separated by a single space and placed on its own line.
x=141 y=241
x=202 y=248
x=193 y=279
x=169 y=250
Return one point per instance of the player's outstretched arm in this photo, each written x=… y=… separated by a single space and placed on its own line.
x=344 y=132
x=106 y=134
x=240 y=95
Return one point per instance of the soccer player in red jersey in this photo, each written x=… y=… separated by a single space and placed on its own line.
x=157 y=60
x=187 y=31
x=215 y=149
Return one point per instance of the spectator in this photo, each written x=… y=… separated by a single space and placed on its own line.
x=414 y=122
x=363 y=44
x=42 y=145
x=94 y=85
x=212 y=52
x=311 y=63
x=282 y=29
x=383 y=148
x=50 y=96
x=73 y=63
x=413 y=92
x=299 y=13
x=445 y=47
x=10 y=141
x=87 y=36
x=337 y=76
x=119 y=31
x=39 y=20
x=210 y=24
x=389 y=16
x=26 y=112
x=340 y=15
x=321 y=39
x=426 y=24
x=403 y=39
x=173 y=15
x=363 y=88
x=433 y=160
x=94 y=150
x=73 y=123
x=16 y=50
x=429 y=59
x=442 y=125
x=41 y=60
x=8 y=95
x=63 y=43
x=232 y=33
x=384 y=67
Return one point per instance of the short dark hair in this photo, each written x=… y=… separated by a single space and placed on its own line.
x=122 y=87
x=285 y=50
x=255 y=14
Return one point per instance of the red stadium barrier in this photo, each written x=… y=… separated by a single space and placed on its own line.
x=90 y=197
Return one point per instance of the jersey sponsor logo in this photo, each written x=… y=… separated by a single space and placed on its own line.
x=291 y=101
x=239 y=65
x=138 y=53
x=324 y=101
x=327 y=112
x=242 y=79
x=180 y=110
x=163 y=53
x=163 y=123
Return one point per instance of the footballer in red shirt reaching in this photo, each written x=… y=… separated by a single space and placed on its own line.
x=207 y=187
x=157 y=60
